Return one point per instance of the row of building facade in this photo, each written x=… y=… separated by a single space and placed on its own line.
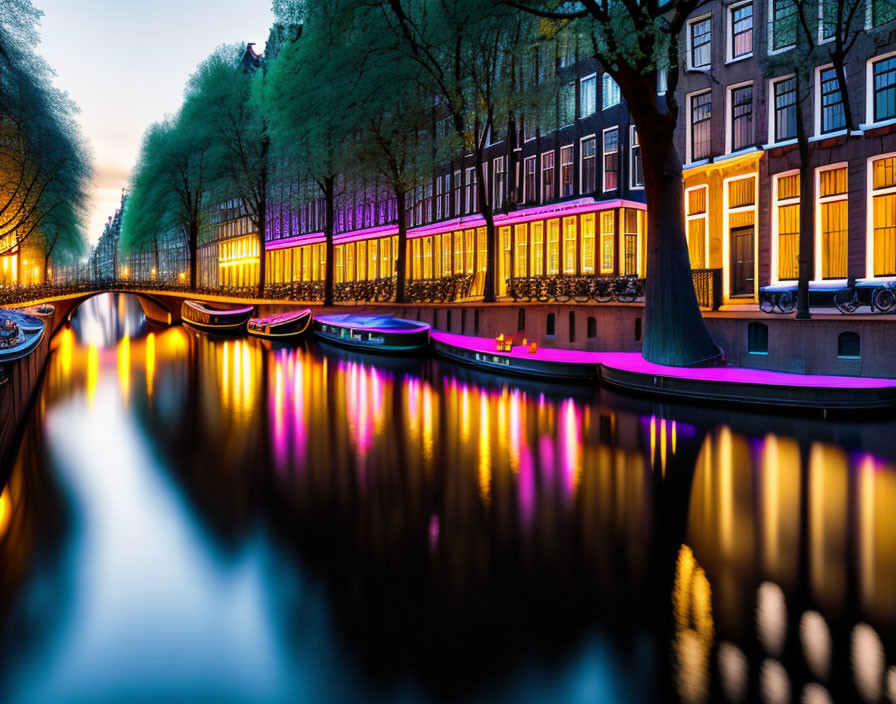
x=569 y=201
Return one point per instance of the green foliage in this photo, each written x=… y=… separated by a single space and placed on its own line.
x=44 y=163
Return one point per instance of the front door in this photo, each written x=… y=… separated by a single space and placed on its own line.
x=742 y=261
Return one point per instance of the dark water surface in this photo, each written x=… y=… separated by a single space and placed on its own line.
x=215 y=520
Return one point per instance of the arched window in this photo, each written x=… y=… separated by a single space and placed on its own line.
x=572 y=326
x=592 y=327
x=550 y=325
x=849 y=345
x=757 y=338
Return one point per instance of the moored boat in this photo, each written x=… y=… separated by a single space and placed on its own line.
x=283 y=327
x=20 y=334
x=214 y=320
x=374 y=333
x=517 y=357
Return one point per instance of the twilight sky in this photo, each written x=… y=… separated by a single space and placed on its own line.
x=125 y=62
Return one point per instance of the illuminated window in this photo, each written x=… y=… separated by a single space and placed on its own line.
x=607 y=241
x=427 y=257
x=446 y=253
x=630 y=242
x=696 y=217
x=787 y=204
x=883 y=218
x=416 y=264
x=569 y=245
x=553 y=247
x=339 y=272
x=372 y=259
x=361 y=253
x=504 y=255
x=588 y=243
x=521 y=249
x=537 y=249
x=459 y=252
x=834 y=222
x=588 y=95
x=469 y=249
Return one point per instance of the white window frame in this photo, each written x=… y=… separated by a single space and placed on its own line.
x=772 y=125
x=633 y=140
x=730 y=58
x=603 y=159
x=869 y=218
x=869 y=92
x=553 y=175
x=582 y=141
x=775 y=252
x=770 y=21
x=818 y=203
x=590 y=77
x=726 y=235
x=438 y=197
x=729 y=115
x=821 y=37
x=470 y=182
x=526 y=194
x=614 y=91
x=689 y=124
x=570 y=149
x=690 y=38
x=817 y=122
x=459 y=194
x=498 y=161
x=699 y=216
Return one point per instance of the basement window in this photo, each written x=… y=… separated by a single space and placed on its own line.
x=757 y=338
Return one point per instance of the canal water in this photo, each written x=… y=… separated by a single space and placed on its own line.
x=191 y=519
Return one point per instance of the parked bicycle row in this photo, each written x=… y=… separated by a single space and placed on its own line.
x=624 y=289
x=879 y=296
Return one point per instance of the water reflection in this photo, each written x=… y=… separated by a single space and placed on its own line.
x=223 y=519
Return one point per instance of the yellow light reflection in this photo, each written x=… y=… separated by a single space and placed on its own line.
x=485 y=459
x=5 y=511
x=93 y=365
x=694 y=628
x=124 y=365
x=150 y=362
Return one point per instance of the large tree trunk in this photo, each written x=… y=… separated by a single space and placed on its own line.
x=485 y=209
x=328 y=187
x=401 y=256
x=806 y=257
x=674 y=330
x=193 y=237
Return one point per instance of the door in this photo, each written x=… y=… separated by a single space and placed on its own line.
x=742 y=261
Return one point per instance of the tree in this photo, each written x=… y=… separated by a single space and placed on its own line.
x=168 y=188
x=44 y=163
x=634 y=40
x=815 y=40
x=311 y=119
x=224 y=101
x=464 y=53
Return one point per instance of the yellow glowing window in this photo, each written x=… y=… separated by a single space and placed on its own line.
x=569 y=245
x=884 y=223
x=741 y=192
x=482 y=251
x=884 y=173
x=631 y=229
x=427 y=257
x=697 y=201
x=832 y=182
x=588 y=243
x=607 y=241
x=416 y=266
x=350 y=261
x=537 y=249
x=362 y=261
x=322 y=260
x=696 y=232
x=834 y=234
x=469 y=248
x=372 y=259
x=385 y=257
x=437 y=256
x=446 y=254
x=553 y=247
x=459 y=252
x=521 y=254
x=788 y=241
x=306 y=263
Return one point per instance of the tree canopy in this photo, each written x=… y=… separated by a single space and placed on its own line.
x=44 y=162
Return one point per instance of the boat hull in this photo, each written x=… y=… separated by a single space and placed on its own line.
x=281 y=328
x=30 y=340
x=517 y=366
x=354 y=333
x=215 y=321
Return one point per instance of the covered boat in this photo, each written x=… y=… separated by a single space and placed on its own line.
x=375 y=333
x=20 y=334
x=215 y=320
x=283 y=327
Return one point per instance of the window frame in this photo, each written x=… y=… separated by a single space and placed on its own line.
x=570 y=151
x=604 y=153
x=691 y=66
x=541 y=179
x=730 y=57
x=729 y=111
x=582 y=106
x=869 y=210
x=527 y=196
x=870 y=119
x=778 y=202
x=612 y=91
x=633 y=143
x=770 y=21
x=773 y=137
x=819 y=107
x=689 y=125
x=698 y=216
x=821 y=200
